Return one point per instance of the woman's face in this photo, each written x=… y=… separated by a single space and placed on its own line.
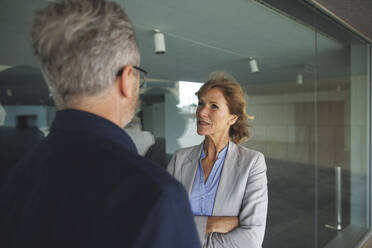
x=213 y=115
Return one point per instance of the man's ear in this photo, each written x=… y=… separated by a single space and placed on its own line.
x=126 y=81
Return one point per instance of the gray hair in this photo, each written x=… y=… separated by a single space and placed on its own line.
x=81 y=45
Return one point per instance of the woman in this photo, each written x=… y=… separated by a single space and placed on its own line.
x=226 y=182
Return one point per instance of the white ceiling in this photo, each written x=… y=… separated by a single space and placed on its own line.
x=201 y=36
x=208 y=35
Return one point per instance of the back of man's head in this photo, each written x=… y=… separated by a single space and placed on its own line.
x=81 y=45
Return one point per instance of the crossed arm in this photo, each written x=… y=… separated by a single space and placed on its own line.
x=221 y=224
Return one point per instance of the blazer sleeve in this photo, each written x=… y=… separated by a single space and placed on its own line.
x=252 y=215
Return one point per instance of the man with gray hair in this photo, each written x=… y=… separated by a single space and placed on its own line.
x=85 y=185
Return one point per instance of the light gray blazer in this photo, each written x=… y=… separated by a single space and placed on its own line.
x=242 y=192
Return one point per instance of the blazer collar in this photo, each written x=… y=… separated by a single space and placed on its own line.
x=190 y=167
x=228 y=174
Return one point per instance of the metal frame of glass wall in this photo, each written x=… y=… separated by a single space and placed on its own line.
x=368 y=236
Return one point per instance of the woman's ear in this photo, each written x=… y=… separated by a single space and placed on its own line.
x=233 y=119
x=126 y=81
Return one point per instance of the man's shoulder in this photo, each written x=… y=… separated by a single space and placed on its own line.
x=160 y=177
x=145 y=170
x=92 y=152
x=118 y=171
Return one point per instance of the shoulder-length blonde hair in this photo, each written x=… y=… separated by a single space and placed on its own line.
x=236 y=103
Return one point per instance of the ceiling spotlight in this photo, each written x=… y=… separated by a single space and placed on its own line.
x=300 y=79
x=253 y=65
x=159 y=42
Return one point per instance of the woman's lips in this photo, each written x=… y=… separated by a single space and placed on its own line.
x=203 y=123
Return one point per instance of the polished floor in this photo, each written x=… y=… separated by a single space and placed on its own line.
x=293 y=214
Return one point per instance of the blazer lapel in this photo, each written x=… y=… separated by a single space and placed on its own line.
x=190 y=167
x=229 y=176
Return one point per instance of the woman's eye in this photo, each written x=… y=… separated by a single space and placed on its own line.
x=200 y=103
x=214 y=106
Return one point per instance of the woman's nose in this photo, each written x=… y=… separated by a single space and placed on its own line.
x=203 y=111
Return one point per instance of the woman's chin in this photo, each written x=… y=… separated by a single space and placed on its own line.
x=201 y=132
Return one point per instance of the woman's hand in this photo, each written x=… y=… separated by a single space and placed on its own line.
x=221 y=224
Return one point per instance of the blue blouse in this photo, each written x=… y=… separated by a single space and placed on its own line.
x=203 y=195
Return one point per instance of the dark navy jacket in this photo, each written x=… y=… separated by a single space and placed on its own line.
x=85 y=186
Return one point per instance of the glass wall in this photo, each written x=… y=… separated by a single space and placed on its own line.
x=331 y=131
x=308 y=104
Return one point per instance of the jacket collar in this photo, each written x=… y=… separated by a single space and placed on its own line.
x=229 y=177
x=228 y=173
x=190 y=167
x=81 y=121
